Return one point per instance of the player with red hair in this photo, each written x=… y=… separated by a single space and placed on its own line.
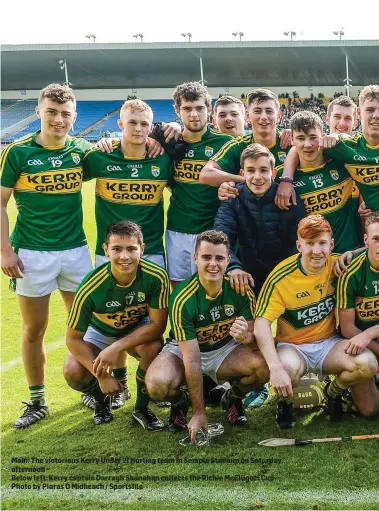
x=300 y=294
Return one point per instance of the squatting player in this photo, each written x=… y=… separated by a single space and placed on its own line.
x=213 y=334
x=358 y=309
x=47 y=249
x=300 y=294
x=120 y=306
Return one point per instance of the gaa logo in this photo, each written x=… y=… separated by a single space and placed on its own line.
x=140 y=297
x=334 y=174
x=208 y=151
x=155 y=171
x=229 y=310
x=75 y=158
x=35 y=162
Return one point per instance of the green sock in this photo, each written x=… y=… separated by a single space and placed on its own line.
x=94 y=390
x=37 y=392
x=286 y=399
x=179 y=400
x=121 y=374
x=335 y=388
x=142 y=395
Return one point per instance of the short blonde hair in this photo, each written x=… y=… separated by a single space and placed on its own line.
x=136 y=105
x=369 y=92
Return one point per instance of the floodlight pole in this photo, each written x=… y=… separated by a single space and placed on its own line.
x=201 y=71
x=347 y=79
x=63 y=65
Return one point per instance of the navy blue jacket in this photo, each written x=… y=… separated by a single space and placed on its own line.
x=264 y=233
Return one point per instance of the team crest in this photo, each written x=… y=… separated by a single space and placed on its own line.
x=155 y=171
x=281 y=156
x=76 y=158
x=208 y=151
x=141 y=297
x=229 y=310
x=334 y=175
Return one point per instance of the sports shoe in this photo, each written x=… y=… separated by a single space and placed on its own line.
x=234 y=407
x=117 y=402
x=148 y=420
x=34 y=412
x=89 y=401
x=284 y=415
x=333 y=405
x=103 y=411
x=216 y=393
x=178 y=416
x=256 y=398
x=163 y=404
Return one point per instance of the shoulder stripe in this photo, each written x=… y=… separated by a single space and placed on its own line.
x=269 y=285
x=224 y=149
x=5 y=153
x=215 y=132
x=343 y=281
x=82 y=294
x=160 y=274
x=251 y=296
x=178 y=305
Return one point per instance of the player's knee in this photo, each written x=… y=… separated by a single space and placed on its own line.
x=369 y=409
x=34 y=332
x=75 y=374
x=367 y=364
x=157 y=385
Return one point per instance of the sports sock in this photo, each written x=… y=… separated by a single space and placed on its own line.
x=37 y=393
x=121 y=374
x=236 y=393
x=143 y=397
x=335 y=388
x=180 y=400
x=94 y=390
x=286 y=399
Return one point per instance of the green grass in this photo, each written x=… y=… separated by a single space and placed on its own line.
x=325 y=476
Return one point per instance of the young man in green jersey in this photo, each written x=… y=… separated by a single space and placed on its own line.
x=263 y=111
x=47 y=249
x=358 y=309
x=121 y=306
x=212 y=329
x=299 y=294
x=229 y=116
x=193 y=206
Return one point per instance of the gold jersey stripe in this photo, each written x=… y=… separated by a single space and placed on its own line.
x=344 y=280
x=178 y=305
x=5 y=153
x=147 y=267
x=225 y=148
x=268 y=286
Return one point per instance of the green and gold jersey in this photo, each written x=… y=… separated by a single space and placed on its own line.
x=326 y=190
x=358 y=288
x=47 y=183
x=362 y=162
x=129 y=189
x=195 y=315
x=303 y=304
x=229 y=156
x=114 y=310
x=193 y=206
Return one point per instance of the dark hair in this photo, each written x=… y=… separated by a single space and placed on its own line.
x=259 y=95
x=255 y=151
x=124 y=228
x=373 y=218
x=304 y=121
x=191 y=91
x=342 y=101
x=59 y=93
x=213 y=236
x=228 y=100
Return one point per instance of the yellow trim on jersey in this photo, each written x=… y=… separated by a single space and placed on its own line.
x=5 y=153
x=372 y=146
x=144 y=192
x=178 y=305
x=341 y=292
x=135 y=157
x=51 y=181
x=310 y=169
x=161 y=274
x=251 y=296
x=225 y=148
x=94 y=282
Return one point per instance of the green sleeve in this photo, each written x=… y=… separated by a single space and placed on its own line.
x=81 y=312
x=341 y=151
x=182 y=323
x=10 y=167
x=248 y=306
x=87 y=167
x=160 y=291
x=229 y=157
x=346 y=291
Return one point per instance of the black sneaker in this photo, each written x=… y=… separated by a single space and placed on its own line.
x=333 y=406
x=148 y=420
x=284 y=415
x=216 y=393
x=34 y=412
x=234 y=407
x=120 y=399
x=103 y=411
x=178 y=416
x=89 y=401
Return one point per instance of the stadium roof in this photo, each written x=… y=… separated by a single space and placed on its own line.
x=234 y=64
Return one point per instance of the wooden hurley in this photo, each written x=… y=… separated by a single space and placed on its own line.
x=289 y=442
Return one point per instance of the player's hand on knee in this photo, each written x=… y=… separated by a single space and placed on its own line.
x=106 y=361
x=281 y=383
x=227 y=190
x=154 y=148
x=357 y=344
x=285 y=196
x=240 y=330
x=197 y=423
x=342 y=263
x=109 y=385
x=106 y=145
x=285 y=138
x=11 y=264
x=363 y=211
x=240 y=280
x=171 y=130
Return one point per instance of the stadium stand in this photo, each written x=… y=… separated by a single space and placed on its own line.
x=12 y=114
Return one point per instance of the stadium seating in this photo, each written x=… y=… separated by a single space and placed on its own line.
x=12 y=114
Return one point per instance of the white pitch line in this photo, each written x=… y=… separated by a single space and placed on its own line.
x=17 y=361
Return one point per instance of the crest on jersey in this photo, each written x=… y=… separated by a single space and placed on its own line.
x=75 y=158
x=155 y=171
x=208 y=151
x=229 y=310
x=141 y=297
x=334 y=175
x=281 y=156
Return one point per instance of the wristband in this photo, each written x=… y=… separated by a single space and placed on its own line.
x=285 y=179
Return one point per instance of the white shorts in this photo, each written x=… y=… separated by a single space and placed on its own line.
x=155 y=258
x=180 y=249
x=314 y=354
x=46 y=271
x=210 y=360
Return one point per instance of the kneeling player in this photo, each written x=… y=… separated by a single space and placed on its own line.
x=299 y=293
x=213 y=333
x=120 y=306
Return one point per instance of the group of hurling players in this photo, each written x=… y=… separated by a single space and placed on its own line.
x=266 y=232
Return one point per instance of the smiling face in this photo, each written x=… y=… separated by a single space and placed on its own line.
x=56 y=119
x=263 y=116
x=230 y=119
x=315 y=252
x=135 y=125
x=258 y=174
x=372 y=242
x=369 y=114
x=211 y=261
x=194 y=114
x=342 y=119
x=124 y=253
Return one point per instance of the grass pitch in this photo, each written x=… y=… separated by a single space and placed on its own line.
x=66 y=462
